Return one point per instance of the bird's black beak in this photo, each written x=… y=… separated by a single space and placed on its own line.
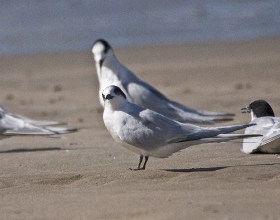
x=101 y=63
x=109 y=97
x=245 y=110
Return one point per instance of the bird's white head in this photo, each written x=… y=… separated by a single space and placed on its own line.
x=113 y=96
x=101 y=50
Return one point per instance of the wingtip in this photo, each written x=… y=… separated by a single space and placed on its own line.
x=230 y=114
x=71 y=130
x=60 y=130
x=227 y=114
x=223 y=119
x=251 y=124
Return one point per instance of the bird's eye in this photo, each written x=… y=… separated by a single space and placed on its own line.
x=116 y=91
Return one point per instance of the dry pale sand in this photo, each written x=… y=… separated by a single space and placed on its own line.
x=85 y=175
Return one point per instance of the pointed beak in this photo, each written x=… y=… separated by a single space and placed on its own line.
x=245 y=110
x=108 y=97
x=101 y=63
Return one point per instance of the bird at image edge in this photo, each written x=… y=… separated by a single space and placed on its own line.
x=14 y=125
x=266 y=124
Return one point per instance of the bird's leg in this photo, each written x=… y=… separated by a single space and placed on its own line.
x=139 y=164
x=140 y=161
x=146 y=160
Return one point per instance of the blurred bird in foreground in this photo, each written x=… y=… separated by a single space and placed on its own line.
x=13 y=124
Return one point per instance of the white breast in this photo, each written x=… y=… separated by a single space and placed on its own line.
x=114 y=122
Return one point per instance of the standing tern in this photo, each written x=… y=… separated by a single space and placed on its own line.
x=111 y=72
x=266 y=124
x=149 y=133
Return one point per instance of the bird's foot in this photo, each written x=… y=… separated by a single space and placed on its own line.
x=137 y=169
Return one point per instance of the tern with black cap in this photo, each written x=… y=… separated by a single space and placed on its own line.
x=266 y=124
x=148 y=133
x=111 y=72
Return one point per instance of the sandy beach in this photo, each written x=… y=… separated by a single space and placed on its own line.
x=85 y=175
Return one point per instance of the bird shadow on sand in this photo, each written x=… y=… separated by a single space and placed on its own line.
x=26 y=150
x=191 y=170
x=212 y=169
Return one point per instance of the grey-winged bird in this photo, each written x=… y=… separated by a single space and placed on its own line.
x=13 y=125
x=111 y=72
x=266 y=124
x=148 y=133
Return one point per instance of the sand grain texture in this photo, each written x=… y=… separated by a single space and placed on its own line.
x=85 y=175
